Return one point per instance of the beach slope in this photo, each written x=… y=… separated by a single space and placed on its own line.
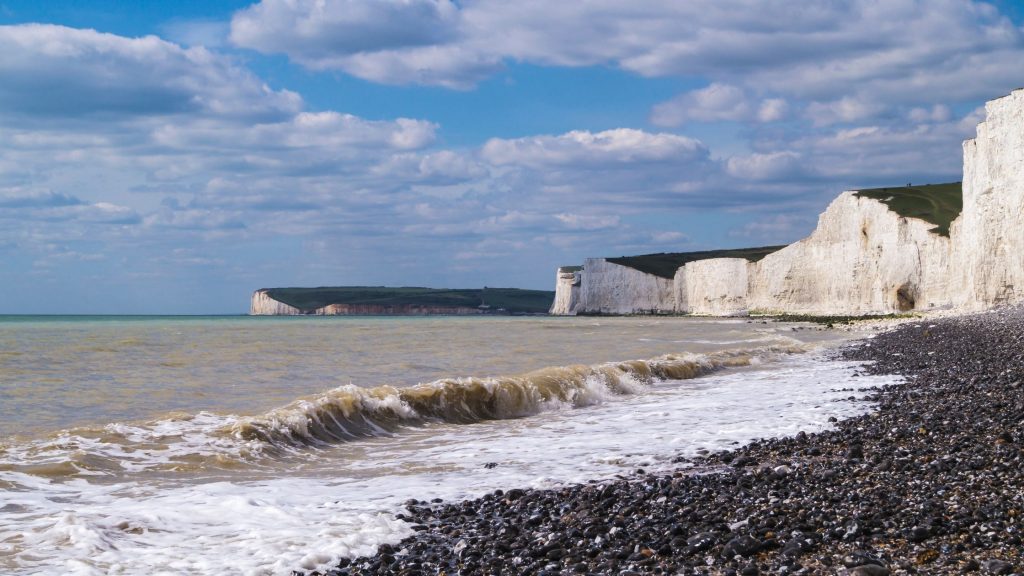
x=932 y=482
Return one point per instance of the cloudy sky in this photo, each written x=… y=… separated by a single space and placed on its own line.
x=170 y=157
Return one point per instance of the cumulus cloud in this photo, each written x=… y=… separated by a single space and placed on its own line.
x=772 y=166
x=401 y=42
x=885 y=153
x=57 y=72
x=307 y=130
x=622 y=146
x=174 y=150
x=937 y=113
x=587 y=222
x=845 y=110
x=138 y=180
x=318 y=33
x=717 y=102
x=815 y=51
x=772 y=110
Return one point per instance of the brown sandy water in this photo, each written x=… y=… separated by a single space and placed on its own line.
x=261 y=445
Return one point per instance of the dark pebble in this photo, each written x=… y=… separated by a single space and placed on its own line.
x=870 y=570
x=701 y=542
x=742 y=546
x=927 y=484
x=998 y=567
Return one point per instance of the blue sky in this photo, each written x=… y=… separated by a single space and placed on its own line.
x=172 y=157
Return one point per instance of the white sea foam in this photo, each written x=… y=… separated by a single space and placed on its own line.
x=293 y=513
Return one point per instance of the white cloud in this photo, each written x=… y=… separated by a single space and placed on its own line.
x=845 y=110
x=772 y=110
x=139 y=183
x=53 y=71
x=621 y=146
x=170 y=148
x=587 y=222
x=937 y=113
x=716 y=102
x=812 y=51
x=884 y=153
x=319 y=33
x=306 y=131
x=772 y=166
x=394 y=42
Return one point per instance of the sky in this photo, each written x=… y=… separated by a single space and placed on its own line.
x=172 y=157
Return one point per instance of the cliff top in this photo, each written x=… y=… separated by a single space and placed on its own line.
x=665 y=264
x=511 y=299
x=937 y=204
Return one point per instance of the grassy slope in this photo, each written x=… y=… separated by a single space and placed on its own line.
x=665 y=264
x=937 y=204
x=511 y=299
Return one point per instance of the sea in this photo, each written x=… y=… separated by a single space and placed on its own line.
x=267 y=445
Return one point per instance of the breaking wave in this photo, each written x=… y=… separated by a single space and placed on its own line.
x=346 y=413
x=350 y=412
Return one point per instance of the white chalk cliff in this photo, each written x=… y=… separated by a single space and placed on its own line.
x=713 y=287
x=607 y=288
x=862 y=258
x=989 y=235
x=263 y=305
x=567 y=291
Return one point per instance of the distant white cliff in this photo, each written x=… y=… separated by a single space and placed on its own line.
x=607 y=288
x=862 y=258
x=567 y=291
x=263 y=305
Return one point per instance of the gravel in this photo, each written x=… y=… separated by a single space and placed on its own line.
x=931 y=482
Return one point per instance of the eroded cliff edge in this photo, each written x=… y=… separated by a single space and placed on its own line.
x=873 y=251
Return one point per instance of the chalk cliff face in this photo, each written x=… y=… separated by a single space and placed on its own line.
x=713 y=287
x=607 y=288
x=567 y=292
x=861 y=259
x=989 y=235
x=263 y=305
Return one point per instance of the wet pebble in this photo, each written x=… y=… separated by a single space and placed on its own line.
x=927 y=484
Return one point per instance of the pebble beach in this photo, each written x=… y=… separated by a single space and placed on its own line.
x=929 y=482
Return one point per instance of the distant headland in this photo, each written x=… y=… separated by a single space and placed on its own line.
x=405 y=301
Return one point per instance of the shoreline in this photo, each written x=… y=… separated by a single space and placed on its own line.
x=930 y=482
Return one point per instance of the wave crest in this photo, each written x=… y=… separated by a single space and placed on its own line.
x=350 y=412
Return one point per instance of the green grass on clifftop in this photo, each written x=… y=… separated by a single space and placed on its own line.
x=665 y=264
x=937 y=204
x=513 y=300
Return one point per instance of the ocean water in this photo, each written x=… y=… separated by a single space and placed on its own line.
x=171 y=445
